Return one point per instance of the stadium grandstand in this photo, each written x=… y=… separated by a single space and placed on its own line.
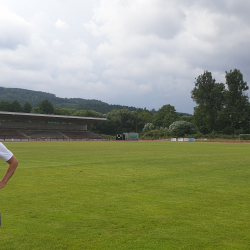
x=32 y=127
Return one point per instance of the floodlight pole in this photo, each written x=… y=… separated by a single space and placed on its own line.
x=136 y=113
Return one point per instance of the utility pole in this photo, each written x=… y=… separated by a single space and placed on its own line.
x=136 y=113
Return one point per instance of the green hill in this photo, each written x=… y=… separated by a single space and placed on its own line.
x=35 y=97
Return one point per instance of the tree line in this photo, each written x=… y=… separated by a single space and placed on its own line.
x=221 y=109
x=15 y=106
x=35 y=97
x=118 y=121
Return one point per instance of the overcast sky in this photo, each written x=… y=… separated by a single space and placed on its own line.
x=142 y=53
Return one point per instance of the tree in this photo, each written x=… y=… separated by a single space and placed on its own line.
x=180 y=128
x=165 y=116
x=37 y=110
x=209 y=96
x=236 y=102
x=27 y=107
x=46 y=107
x=5 y=106
x=87 y=113
x=148 y=127
x=119 y=121
x=16 y=106
x=64 y=111
x=144 y=116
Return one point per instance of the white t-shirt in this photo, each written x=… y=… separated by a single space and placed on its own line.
x=5 y=154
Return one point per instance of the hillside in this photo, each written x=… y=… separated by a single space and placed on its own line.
x=34 y=97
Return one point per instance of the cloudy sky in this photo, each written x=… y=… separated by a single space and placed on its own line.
x=142 y=53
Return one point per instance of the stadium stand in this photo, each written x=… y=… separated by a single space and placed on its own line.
x=29 y=135
x=43 y=134
x=11 y=135
x=26 y=126
x=82 y=135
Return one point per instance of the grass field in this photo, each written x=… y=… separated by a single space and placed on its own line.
x=127 y=195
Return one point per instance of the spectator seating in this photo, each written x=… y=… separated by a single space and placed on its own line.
x=6 y=134
x=82 y=135
x=43 y=134
x=26 y=134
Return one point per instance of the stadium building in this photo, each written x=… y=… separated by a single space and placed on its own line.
x=29 y=126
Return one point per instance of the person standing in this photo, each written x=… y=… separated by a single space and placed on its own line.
x=9 y=157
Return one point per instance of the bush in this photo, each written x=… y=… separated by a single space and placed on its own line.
x=180 y=128
x=148 y=127
x=109 y=137
x=155 y=135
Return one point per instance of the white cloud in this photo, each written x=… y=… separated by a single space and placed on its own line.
x=78 y=60
x=165 y=44
x=150 y=51
x=57 y=42
x=61 y=24
x=140 y=41
x=14 y=30
x=117 y=19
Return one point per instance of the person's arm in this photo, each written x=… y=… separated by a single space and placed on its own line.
x=13 y=162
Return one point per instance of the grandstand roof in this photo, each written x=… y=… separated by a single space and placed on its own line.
x=48 y=118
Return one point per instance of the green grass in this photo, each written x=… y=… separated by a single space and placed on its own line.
x=127 y=195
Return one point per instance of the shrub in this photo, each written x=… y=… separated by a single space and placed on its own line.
x=148 y=127
x=180 y=128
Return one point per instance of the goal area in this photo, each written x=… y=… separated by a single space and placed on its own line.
x=243 y=137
